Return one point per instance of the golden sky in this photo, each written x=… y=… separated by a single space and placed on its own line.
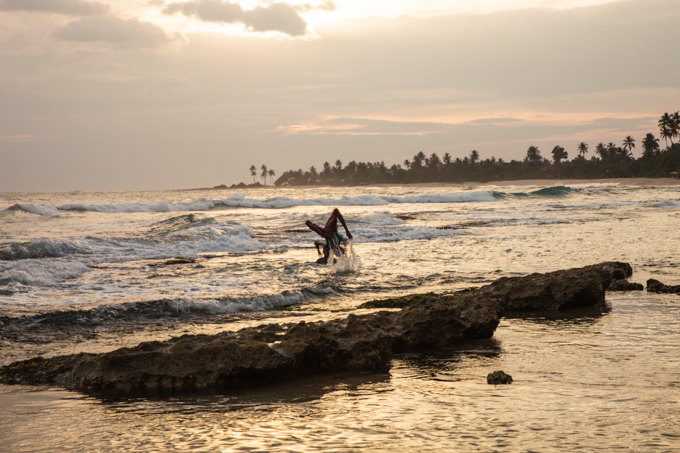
x=125 y=95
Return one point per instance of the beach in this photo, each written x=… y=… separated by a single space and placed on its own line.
x=94 y=272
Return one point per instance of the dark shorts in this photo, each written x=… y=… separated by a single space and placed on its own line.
x=334 y=244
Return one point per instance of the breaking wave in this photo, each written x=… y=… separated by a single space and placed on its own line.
x=44 y=248
x=184 y=236
x=34 y=272
x=34 y=208
x=239 y=201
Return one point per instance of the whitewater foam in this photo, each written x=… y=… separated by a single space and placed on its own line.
x=240 y=201
x=35 y=208
x=34 y=272
x=345 y=263
x=214 y=306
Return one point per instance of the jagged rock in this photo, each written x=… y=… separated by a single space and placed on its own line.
x=559 y=290
x=256 y=356
x=625 y=285
x=498 y=377
x=402 y=302
x=655 y=286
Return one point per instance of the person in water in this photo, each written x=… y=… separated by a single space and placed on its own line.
x=330 y=234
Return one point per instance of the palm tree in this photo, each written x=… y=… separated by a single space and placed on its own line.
x=582 y=149
x=338 y=165
x=629 y=144
x=253 y=172
x=558 y=154
x=419 y=158
x=263 y=174
x=668 y=127
x=650 y=145
x=272 y=173
x=675 y=125
x=474 y=156
x=447 y=159
x=407 y=164
x=533 y=155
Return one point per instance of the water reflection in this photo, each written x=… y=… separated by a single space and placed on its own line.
x=267 y=398
x=576 y=316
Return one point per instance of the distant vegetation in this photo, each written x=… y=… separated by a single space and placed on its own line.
x=606 y=161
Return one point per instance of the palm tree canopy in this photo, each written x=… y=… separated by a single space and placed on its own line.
x=558 y=154
x=533 y=155
x=628 y=143
x=582 y=148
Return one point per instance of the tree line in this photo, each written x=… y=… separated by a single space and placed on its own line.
x=606 y=161
x=264 y=174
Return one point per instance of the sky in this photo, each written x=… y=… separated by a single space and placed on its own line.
x=170 y=94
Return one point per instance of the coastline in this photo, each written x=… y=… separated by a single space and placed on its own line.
x=639 y=182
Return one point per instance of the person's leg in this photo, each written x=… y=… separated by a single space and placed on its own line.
x=315 y=228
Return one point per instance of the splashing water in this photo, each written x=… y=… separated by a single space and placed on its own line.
x=349 y=262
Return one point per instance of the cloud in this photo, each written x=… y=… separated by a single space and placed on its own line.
x=326 y=5
x=70 y=7
x=130 y=33
x=278 y=16
x=362 y=126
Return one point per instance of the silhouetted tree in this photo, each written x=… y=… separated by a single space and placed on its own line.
x=263 y=174
x=582 y=149
x=650 y=146
x=629 y=144
x=253 y=172
x=533 y=155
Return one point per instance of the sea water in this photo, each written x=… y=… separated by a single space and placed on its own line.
x=92 y=272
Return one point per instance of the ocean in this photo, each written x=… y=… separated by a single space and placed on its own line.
x=95 y=271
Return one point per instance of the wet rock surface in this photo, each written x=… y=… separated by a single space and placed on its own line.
x=625 y=285
x=498 y=377
x=655 y=286
x=259 y=355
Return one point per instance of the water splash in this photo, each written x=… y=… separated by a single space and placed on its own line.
x=349 y=262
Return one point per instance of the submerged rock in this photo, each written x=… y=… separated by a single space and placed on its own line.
x=498 y=377
x=625 y=285
x=655 y=286
x=259 y=355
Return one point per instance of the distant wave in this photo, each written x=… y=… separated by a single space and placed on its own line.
x=33 y=208
x=185 y=236
x=402 y=233
x=554 y=191
x=667 y=204
x=239 y=201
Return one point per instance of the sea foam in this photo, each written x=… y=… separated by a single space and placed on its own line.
x=34 y=272
x=240 y=201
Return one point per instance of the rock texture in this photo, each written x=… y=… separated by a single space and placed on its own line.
x=625 y=285
x=498 y=377
x=256 y=356
x=655 y=286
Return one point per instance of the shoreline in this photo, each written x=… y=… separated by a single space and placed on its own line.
x=639 y=182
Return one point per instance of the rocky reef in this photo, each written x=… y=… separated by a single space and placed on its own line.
x=655 y=286
x=625 y=285
x=259 y=355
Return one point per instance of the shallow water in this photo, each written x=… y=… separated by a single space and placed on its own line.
x=98 y=280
